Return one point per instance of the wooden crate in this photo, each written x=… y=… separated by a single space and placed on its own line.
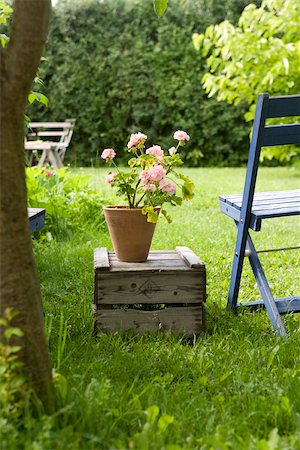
x=167 y=292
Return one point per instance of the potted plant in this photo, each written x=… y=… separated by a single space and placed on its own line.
x=151 y=182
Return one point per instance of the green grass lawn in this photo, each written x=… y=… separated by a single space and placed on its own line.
x=236 y=387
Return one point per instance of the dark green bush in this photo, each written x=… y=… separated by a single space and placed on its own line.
x=118 y=69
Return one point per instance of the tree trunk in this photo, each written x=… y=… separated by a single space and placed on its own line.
x=19 y=284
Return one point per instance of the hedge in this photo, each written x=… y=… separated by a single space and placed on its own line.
x=117 y=68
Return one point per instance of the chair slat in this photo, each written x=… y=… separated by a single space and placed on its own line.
x=235 y=199
x=50 y=125
x=261 y=203
x=281 y=135
x=50 y=133
x=286 y=106
x=277 y=212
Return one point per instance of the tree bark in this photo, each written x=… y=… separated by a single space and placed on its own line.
x=19 y=283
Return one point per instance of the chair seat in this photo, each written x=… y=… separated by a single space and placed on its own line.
x=266 y=205
x=36 y=218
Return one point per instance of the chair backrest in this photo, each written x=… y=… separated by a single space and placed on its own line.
x=268 y=135
x=60 y=132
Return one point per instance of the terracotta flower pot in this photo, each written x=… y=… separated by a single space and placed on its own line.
x=130 y=232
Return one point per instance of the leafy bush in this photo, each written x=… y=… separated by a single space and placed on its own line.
x=70 y=203
x=270 y=64
x=118 y=69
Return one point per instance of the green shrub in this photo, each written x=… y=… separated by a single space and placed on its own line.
x=118 y=69
x=70 y=203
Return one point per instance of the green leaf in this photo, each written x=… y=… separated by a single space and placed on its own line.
x=164 y=422
x=31 y=97
x=132 y=162
x=12 y=331
x=37 y=96
x=152 y=216
x=160 y=7
x=43 y=99
x=166 y=215
x=152 y=413
x=188 y=190
x=3 y=39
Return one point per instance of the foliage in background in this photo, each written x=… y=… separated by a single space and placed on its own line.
x=118 y=68
x=260 y=54
x=71 y=204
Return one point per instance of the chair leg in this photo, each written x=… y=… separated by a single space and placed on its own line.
x=43 y=158
x=237 y=267
x=265 y=290
x=55 y=160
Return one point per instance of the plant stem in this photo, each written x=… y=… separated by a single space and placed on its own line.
x=128 y=195
x=133 y=198
x=139 y=201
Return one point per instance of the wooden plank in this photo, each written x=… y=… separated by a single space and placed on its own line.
x=270 y=201
x=273 y=213
x=148 y=266
x=273 y=206
x=154 y=255
x=50 y=125
x=32 y=145
x=101 y=261
x=36 y=218
x=234 y=213
x=284 y=305
x=158 y=260
x=190 y=258
x=285 y=106
x=32 y=212
x=233 y=198
x=141 y=287
x=185 y=321
x=281 y=135
x=51 y=133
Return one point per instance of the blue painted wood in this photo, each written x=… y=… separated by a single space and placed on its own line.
x=36 y=218
x=265 y=290
x=235 y=213
x=244 y=222
x=285 y=106
x=281 y=135
x=284 y=305
x=248 y=210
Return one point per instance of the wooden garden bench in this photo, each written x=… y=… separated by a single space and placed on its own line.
x=52 y=150
x=250 y=209
x=36 y=218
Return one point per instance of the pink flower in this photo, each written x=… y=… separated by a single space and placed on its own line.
x=110 y=177
x=149 y=187
x=157 y=172
x=144 y=176
x=135 y=139
x=167 y=186
x=108 y=154
x=172 y=151
x=155 y=151
x=48 y=173
x=181 y=136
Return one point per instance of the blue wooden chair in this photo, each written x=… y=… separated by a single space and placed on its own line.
x=249 y=210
